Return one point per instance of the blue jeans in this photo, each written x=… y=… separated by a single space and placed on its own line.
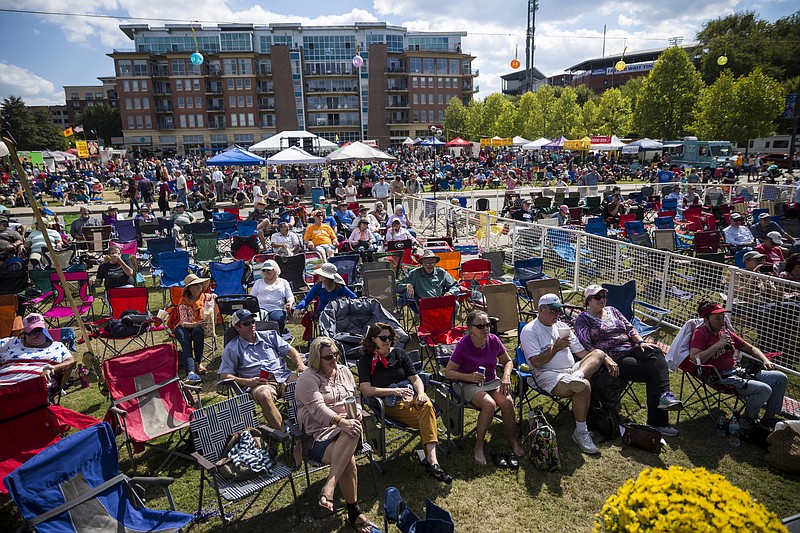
x=191 y=341
x=766 y=387
x=182 y=196
x=279 y=316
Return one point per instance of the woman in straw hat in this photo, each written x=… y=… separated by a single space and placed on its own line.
x=329 y=287
x=190 y=330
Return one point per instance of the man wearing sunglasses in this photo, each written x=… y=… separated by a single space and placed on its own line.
x=256 y=361
x=561 y=365
x=34 y=353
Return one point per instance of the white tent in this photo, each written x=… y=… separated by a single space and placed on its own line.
x=357 y=151
x=518 y=141
x=294 y=156
x=408 y=141
x=279 y=141
x=615 y=144
x=535 y=145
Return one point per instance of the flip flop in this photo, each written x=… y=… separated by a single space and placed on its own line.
x=323 y=499
x=363 y=526
x=499 y=460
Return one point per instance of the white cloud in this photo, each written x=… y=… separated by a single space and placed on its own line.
x=33 y=89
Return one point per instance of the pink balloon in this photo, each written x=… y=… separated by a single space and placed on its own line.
x=358 y=61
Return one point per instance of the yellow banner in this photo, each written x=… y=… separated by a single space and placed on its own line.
x=580 y=145
x=502 y=142
x=486 y=142
x=68 y=132
x=83 y=148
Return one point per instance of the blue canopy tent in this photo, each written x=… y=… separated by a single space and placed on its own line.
x=432 y=141
x=235 y=157
x=557 y=144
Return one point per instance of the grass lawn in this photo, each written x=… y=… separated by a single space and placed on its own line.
x=481 y=498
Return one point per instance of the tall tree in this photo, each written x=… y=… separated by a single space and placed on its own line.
x=523 y=122
x=103 y=119
x=567 y=115
x=613 y=115
x=716 y=116
x=543 y=122
x=48 y=135
x=631 y=89
x=455 y=119
x=32 y=130
x=668 y=96
x=741 y=37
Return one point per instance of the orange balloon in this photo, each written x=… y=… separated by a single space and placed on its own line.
x=515 y=63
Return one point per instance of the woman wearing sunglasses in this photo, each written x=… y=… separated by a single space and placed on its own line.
x=320 y=394
x=389 y=373
x=603 y=327
x=474 y=362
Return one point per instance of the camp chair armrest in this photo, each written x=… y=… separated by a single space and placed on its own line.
x=139 y=485
x=84 y=497
x=193 y=388
x=39 y=299
x=203 y=462
x=377 y=406
x=229 y=383
x=117 y=411
x=163 y=480
x=652 y=308
x=271 y=432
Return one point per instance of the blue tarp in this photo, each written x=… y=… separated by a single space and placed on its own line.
x=235 y=157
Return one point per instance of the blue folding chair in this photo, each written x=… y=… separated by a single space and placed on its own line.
x=528 y=269
x=664 y=223
x=228 y=278
x=155 y=247
x=347 y=265
x=174 y=267
x=246 y=228
x=596 y=226
x=76 y=485
x=669 y=204
x=126 y=230
x=623 y=298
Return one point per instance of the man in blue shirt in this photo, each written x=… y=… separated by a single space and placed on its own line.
x=255 y=360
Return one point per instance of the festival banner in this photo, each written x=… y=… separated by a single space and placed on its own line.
x=83 y=149
x=68 y=132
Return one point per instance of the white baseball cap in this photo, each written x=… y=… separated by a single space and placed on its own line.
x=550 y=300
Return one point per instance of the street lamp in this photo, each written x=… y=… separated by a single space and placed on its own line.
x=435 y=134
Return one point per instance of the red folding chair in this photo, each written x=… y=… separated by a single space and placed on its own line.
x=29 y=424
x=706 y=242
x=149 y=400
x=232 y=210
x=119 y=300
x=436 y=323
x=406 y=246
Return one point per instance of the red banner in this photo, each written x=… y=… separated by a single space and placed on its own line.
x=601 y=139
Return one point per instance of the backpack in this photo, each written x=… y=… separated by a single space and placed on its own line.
x=544 y=445
x=603 y=419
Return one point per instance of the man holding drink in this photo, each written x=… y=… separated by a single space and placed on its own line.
x=255 y=360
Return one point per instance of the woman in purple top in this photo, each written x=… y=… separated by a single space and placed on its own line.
x=484 y=389
x=604 y=328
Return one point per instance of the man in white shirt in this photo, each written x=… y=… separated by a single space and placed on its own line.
x=219 y=180
x=181 y=186
x=737 y=236
x=551 y=347
x=381 y=190
x=285 y=242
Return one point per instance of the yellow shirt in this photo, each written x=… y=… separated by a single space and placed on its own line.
x=319 y=234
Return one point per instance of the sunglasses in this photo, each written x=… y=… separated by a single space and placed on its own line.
x=600 y=297
x=384 y=338
x=481 y=326
x=329 y=356
x=247 y=323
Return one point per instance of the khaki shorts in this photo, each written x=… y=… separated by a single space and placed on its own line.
x=472 y=389
x=275 y=389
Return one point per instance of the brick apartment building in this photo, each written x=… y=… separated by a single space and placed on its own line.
x=256 y=81
x=79 y=97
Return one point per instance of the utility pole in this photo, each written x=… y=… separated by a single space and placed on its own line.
x=533 y=6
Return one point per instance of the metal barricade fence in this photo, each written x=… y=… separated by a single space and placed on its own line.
x=766 y=309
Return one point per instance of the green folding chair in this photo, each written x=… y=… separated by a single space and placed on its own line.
x=206 y=247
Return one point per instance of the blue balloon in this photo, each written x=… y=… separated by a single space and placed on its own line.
x=197 y=58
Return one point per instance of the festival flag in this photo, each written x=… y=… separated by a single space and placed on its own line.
x=68 y=132
x=78 y=129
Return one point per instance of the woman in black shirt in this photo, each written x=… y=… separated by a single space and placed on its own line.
x=388 y=372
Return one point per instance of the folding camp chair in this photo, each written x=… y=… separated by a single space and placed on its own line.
x=155 y=247
x=96 y=239
x=596 y=226
x=75 y=485
x=293 y=270
x=528 y=390
x=395 y=510
x=173 y=268
x=29 y=424
x=227 y=277
x=528 y=269
x=119 y=300
x=190 y=230
x=146 y=229
x=311 y=466
x=406 y=247
x=247 y=228
x=244 y=248
x=149 y=400
x=623 y=298
x=450 y=262
x=206 y=247
x=347 y=266
x=436 y=324
x=66 y=257
x=706 y=242
x=231 y=333
x=210 y=427
x=78 y=285
x=501 y=304
x=379 y=284
x=125 y=230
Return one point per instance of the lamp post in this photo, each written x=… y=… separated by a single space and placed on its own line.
x=435 y=134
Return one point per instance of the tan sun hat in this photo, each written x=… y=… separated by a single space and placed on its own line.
x=329 y=271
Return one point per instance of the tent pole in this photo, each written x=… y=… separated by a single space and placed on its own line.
x=23 y=178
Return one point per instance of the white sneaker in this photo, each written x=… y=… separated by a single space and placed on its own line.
x=667 y=431
x=573 y=382
x=584 y=441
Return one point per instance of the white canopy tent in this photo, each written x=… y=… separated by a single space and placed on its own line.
x=408 y=141
x=294 y=156
x=535 y=145
x=357 y=151
x=281 y=140
x=518 y=141
x=615 y=144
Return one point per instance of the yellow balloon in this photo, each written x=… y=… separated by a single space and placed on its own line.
x=620 y=66
x=722 y=60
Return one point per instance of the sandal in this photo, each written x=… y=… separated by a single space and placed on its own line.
x=325 y=501
x=201 y=369
x=362 y=526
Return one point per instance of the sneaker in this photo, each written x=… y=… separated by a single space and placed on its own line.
x=193 y=379
x=438 y=473
x=667 y=402
x=584 y=440
x=667 y=431
x=574 y=382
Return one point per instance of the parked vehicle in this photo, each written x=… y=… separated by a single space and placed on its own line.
x=705 y=155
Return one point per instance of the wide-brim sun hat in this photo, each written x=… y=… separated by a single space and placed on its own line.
x=193 y=279
x=428 y=254
x=329 y=271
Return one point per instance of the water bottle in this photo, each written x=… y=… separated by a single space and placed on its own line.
x=733 y=429
x=83 y=376
x=722 y=426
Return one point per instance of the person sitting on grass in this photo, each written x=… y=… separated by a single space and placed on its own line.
x=551 y=349
x=484 y=389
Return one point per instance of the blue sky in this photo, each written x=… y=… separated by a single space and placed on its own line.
x=41 y=53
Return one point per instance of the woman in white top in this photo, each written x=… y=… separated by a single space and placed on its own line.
x=351 y=191
x=275 y=298
x=362 y=237
x=399 y=233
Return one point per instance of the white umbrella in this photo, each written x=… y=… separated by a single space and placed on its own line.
x=279 y=141
x=535 y=145
x=294 y=156
x=358 y=151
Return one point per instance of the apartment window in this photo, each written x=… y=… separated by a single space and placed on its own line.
x=245 y=67
x=231 y=101
x=148 y=122
x=130 y=122
x=415 y=65
x=182 y=120
x=440 y=83
x=415 y=98
x=137 y=103
x=74 y=96
x=145 y=103
x=430 y=98
x=422 y=83
x=144 y=85
x=181 y=103
x=196 y=85
x=126 y=86
x=454 y=66
x=247 y=84
x=191 y=121
x=231 y=66
x=124 y=67
x=234 y=120
x=427 y=66
x=139 y=68
x=424 y=116
x=440 y=118
x=178 y=67
x=199 y=121
x=447 y=83
x=230 y=84
x=430 y=82
x=441 y=98
x=240 y=101
x=241 y=118
x=248 y=101
x=198 y=102
x=441 y=66
x=423 y=99
x=251 y=121
x=239 y=83
x=139 y=122
x=414 y=82
x=189 y=102
x=128 y=104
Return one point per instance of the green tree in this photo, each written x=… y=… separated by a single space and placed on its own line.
x=32 y=130
x=455 y=119
x=543 y=123
x=631 y=90
x=716 y=114
x=493 y=107
x=567 y=119
x=584 y=94
x=523 y=121
x=48 y=135
x=589 y=117
x=741 y=37
x=505 y=124
x=103 y=119
x=474 y=120
x=668 y=96
x=613 y=116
